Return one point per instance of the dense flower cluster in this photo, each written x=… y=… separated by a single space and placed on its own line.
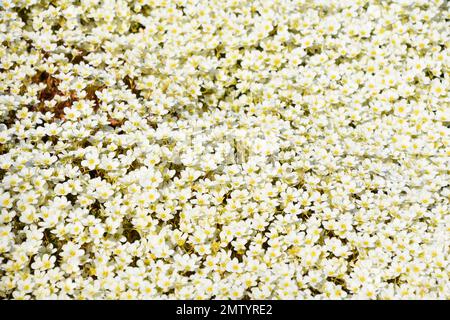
x=198 y=149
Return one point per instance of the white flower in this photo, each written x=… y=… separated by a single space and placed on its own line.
x=91 y=161
x=217 y=151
